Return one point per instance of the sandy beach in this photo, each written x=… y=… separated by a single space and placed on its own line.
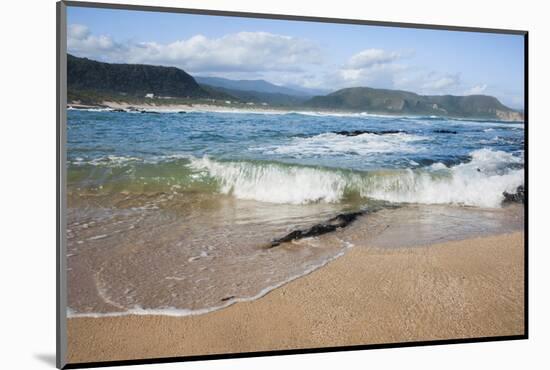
x=459 y=289
x=157 y=106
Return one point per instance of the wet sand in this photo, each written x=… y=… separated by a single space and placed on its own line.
x=458 y=289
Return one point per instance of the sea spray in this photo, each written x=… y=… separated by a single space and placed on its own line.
x=482 y=181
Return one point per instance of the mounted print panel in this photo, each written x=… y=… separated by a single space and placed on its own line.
x=235 y=184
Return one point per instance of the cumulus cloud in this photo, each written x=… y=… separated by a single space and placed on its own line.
x=475 y=90
x=371 y=57
x=389 y=69
x=78 y=32
x=369 y=67
x=437 y=83
x=238 y=52
x=428 y=82
x=81 y=41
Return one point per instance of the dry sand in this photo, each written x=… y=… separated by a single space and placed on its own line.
x=462 y=289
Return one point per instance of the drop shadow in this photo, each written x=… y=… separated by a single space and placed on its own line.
x=47 y=358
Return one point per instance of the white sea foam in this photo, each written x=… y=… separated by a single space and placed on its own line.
x=274 y=183
x=334 y=144
x=282 y=112
x=108 y=160
x=95 y=109
x=438 y=166
x=479 y=182
x=172 y=311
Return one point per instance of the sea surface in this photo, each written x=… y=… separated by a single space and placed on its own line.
x=174 y=213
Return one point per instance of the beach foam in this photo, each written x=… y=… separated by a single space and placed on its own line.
x=173 y=311
x=334 y=144
x=274 y=183
x=479 y=182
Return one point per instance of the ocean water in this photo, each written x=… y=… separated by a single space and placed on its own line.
x=173 y=213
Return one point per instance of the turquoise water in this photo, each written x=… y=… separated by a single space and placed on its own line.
x=298 y=158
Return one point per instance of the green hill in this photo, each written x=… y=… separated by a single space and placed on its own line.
x=93 y=82
x=92 y=77
x=365 y=99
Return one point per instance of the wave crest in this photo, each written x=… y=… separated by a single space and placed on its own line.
x=480 y=182
x=274 y=183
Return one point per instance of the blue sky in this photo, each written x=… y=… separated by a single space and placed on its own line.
x=309 y=54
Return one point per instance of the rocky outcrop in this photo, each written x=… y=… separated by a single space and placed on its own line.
x=340 y=221
x=510 y=115
x=517 y=197
x=361 y=132
x=445 y=132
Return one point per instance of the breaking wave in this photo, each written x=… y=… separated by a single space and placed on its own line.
x=479 y=182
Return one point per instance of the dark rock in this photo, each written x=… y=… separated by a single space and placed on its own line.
x=340 y=221
x=517 y=197
x=227 y=298
x=361 y=132
x=182 y=112
x=445 y=132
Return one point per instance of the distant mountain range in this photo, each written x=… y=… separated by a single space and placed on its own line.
x=260 y=97
x=255 y=85
x=94 y=82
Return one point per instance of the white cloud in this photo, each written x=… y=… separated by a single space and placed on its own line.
x=428 y=82
x=238 y=52
x=444 y=83
x=78 y=32
x=387 y=69
x=369 y=67
x=370 y=57
x=475 y=90
x=243 y=51
x=81 y=41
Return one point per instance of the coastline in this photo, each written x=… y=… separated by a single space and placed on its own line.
x=258 y=109
x=457 y=289
x=213 y=108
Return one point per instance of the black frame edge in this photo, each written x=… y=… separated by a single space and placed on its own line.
x=526 y=182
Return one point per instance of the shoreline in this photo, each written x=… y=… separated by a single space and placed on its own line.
x=459 y=289
x=212 y=108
